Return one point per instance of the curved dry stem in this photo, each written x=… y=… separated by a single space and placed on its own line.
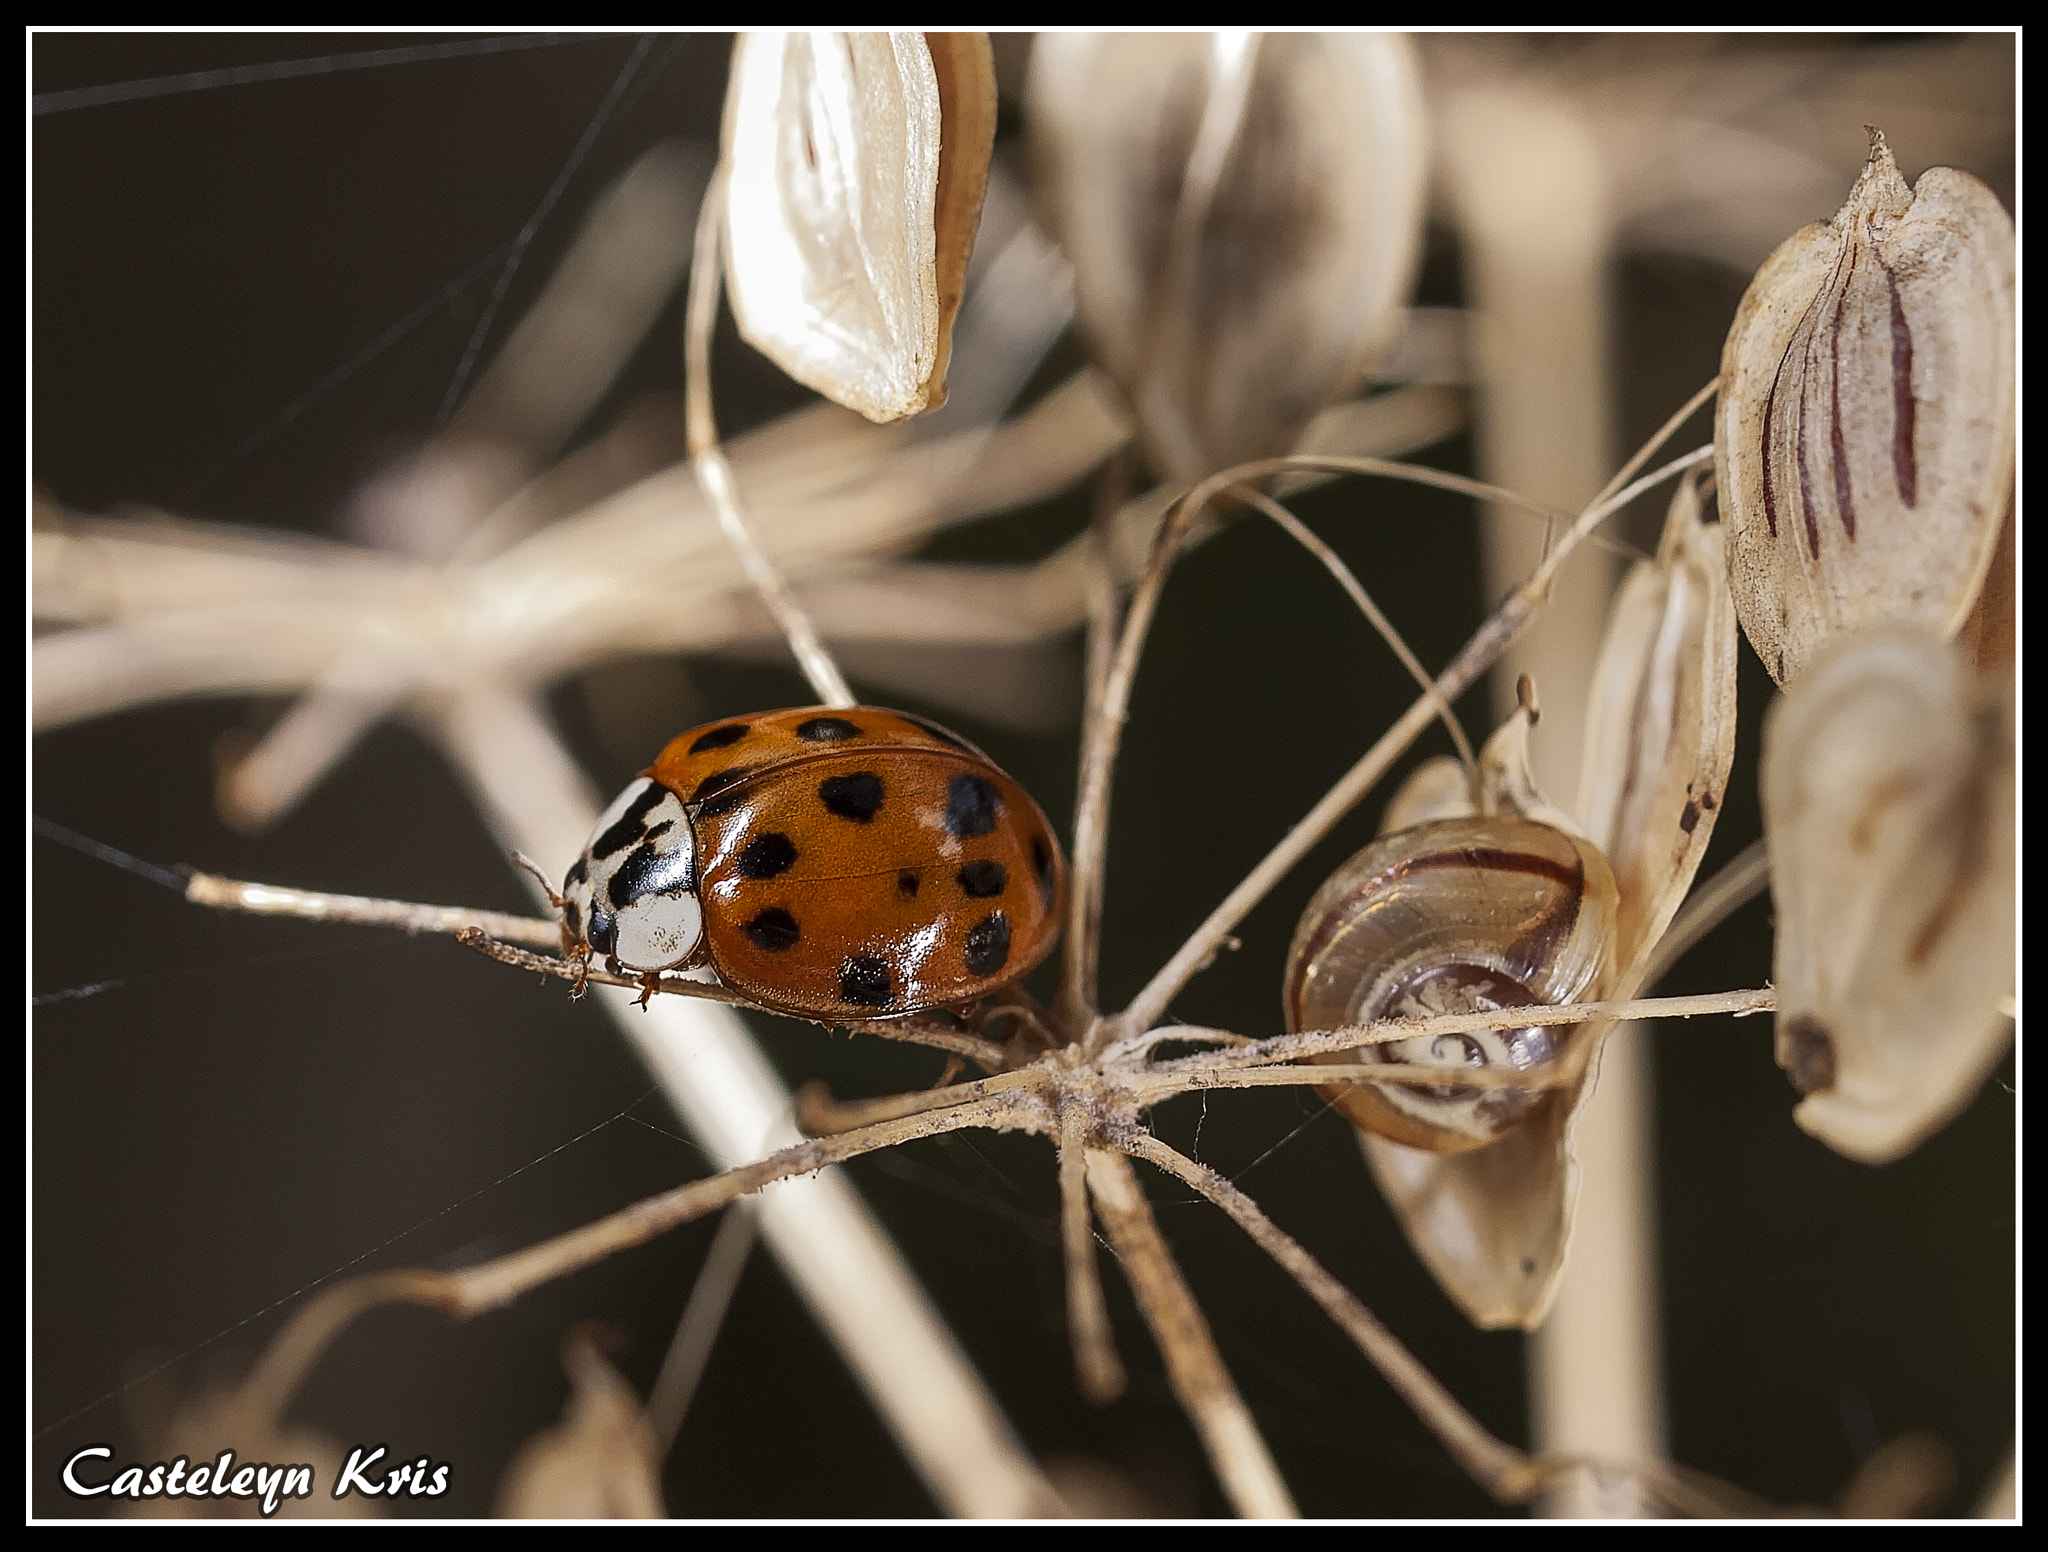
x=233 y=894
x=493 y=1283
x=714 y=474
x=304 y=1341
x=1746 y=875
x=819 y=1114
x=1500 y=1468
x=697 y=1328
x=1079 y=955
x=1204 y=1387
x=1491 y=639
x=1097 y=1369
x=1333 y=563
x=1663 y=434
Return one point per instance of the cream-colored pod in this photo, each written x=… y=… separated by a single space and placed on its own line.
x=1244 y=216
x=1865 y=435
x=856 y=163
x=1888 y=799
x=1493 y=1222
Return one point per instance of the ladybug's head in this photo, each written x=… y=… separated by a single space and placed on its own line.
x=632 y=895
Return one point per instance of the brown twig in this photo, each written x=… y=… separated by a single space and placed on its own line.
x=1097 y=1368
x=1204 y=1387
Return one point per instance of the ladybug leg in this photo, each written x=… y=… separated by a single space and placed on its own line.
x=580 y=953
x=951 y=1071
x=650 y=983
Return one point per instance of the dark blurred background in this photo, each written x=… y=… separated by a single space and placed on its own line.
x=226 y=1111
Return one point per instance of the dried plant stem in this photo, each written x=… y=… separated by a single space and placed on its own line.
x=1501 y=1469
x=1097 y=1368
x=1205 y=1389
x=1333 y=563
x=1316 y=1042
x=479 y=1289
x=714 y=474
x=230 y=894
x=1500 y=628
x=1746 y=875
x=697 y=1329
x=1084 y=904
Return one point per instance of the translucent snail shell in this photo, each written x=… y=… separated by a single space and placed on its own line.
x=1452 y=916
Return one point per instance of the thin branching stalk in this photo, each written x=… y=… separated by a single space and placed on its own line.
x=697 y=1329
x=1083 y=928
x=1333 y=563
x=1205 y=1389
x=714 y=473
x=231 y=894
x=1097 y=1368
x=1501 y=627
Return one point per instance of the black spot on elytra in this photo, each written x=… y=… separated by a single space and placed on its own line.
x=972 y=807
x=720 y=737
x=1041 y=864
x=906 y=885
x=718 y=781
x=941 y=734
x=774 y=929
x=857 y=797
x=656 y=832
x=983 y=880
x=988 y=944
x=826 y=730
x=626 y=829
x=572 y=918
x=647 y=871
x=602 y=934
x=767 y=855
x=1689 y=816
x=865 y=982
x=1707 y=801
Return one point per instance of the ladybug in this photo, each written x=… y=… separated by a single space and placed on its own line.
x=830 y=863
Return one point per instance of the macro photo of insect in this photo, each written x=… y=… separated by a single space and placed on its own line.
x=872 y=776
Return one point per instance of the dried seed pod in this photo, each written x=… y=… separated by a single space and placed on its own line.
x=1888 y=800
x=1243 y=216
x=1864 y=440
x=1453 y=916
x=857 y=162
x=1660 y=726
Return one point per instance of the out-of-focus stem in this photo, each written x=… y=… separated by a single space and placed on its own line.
x=1194 y=1367
x=1530 y=191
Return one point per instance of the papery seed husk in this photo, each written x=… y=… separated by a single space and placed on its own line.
x=1295 y=279
x=1888 y=796
x=851 y=204
x=1493 y=1223
x=1660 y=726
x=1865 y=437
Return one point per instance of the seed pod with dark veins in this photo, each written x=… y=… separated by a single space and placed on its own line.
x=1864 y=442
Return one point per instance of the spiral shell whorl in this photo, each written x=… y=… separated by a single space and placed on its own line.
x=1457 y=915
